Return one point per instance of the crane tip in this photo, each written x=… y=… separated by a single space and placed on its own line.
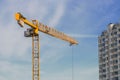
x=17 y=16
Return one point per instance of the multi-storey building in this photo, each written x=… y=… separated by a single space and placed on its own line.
x=109 y=53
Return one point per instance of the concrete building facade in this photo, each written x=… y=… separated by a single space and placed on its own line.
x=109 y=53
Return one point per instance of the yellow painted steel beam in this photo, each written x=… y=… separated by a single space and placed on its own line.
x=44 y=28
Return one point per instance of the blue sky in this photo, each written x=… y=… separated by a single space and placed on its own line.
x=82 y=19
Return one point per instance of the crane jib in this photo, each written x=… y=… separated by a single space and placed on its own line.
x=44 y=28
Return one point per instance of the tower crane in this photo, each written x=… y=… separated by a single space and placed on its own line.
x=33 y=32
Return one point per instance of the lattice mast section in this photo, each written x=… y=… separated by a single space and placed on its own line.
x=35 y=57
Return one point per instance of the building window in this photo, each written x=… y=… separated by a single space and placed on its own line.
x=115 y=78
x=115 y=67
x=114 y=56
x=115 y=33
x=119 y=41
x=115 y=61
x=118 y=35
x=118 y=29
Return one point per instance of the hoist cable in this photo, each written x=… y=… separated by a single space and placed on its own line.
x=72 y=64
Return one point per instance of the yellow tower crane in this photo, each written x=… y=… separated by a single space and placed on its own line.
x=33 y=32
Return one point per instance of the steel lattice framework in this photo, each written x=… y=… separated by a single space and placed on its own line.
x=33 y=32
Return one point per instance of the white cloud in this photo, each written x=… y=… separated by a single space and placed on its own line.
x=87 y=73
x=12 y=42
x=59 y=12
x=52 y=49
x=10 y=70
x=13 y=71
x=55 y=53
x=83 y=36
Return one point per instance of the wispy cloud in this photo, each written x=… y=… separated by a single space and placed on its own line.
x=59 y=12
x=14 y=71
x=83 y=36
x=91 y=73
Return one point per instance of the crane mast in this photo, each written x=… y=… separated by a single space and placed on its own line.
x=33 y=32
x=35 y=57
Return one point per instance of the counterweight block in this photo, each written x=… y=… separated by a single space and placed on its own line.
x=29 y=33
